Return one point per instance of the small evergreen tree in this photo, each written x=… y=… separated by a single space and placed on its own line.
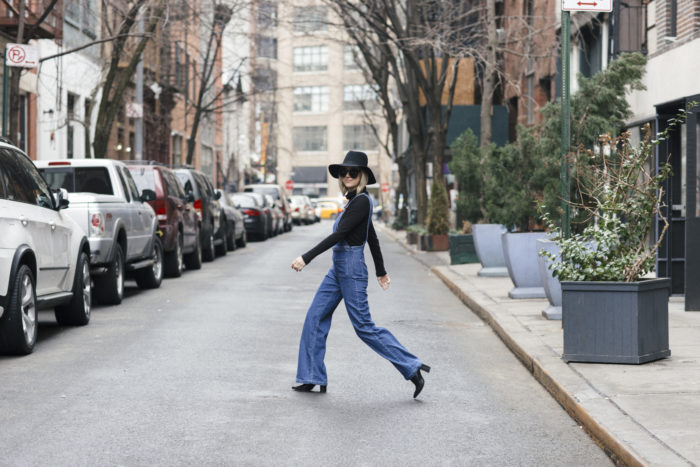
x=438 y=212
x=466 y=166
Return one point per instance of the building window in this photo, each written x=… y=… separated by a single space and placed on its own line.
x=310 y=19
x=350 y=58
x=311 y=99
x=264 y=79
x=87 y=103
x=310 y=138
x=177 y=149
x=672 y=18
x=70 y=147
x=267 y=15
x=311 y=58
x=180 y=69
x=70 y=106
x=360 y=137
x=267 y=47
x=359 y=97
x=530 y=99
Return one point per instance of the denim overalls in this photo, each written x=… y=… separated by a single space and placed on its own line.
x=346 y=279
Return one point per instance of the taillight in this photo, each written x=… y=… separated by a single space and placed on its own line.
x=161 y=210
x=198 y=206
x=296 y=209
x=97 y=224
x=251 y=212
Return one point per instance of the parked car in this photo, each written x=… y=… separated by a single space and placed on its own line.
x=329 y=207
x=120 y=224
x=302 y=210
x=177 y=219
x=206 y=205
x=44 y=255
x=279 y=195
x=269 y=216
x=254 y=217
x=232 y=218
x=277 y=216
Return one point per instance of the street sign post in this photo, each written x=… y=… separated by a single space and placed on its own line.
x=16 y=55
x=587 y=5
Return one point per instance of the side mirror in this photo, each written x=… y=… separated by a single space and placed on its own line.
x=190 y=197
x=61 y=198
x=217 y=194
x=148 y=195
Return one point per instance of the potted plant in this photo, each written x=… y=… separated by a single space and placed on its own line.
x=462 y=248
x=414 y=232
x=467 y=166
x=612 y=313
x=438 y=221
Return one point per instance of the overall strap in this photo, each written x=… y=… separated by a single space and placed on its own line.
x=371 y=209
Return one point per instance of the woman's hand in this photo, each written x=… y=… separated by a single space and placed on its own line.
x=298 y=264
x=384 y=281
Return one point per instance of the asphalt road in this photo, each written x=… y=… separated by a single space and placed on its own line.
x=199 y=372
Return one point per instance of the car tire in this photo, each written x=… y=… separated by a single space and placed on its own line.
x=208 y=251
x=194 y=260
x=110 y=286
x=77 y=312
x=151 y=277
x=243 y=241
x=18 y=326
x=174 y=261
x=230 y=238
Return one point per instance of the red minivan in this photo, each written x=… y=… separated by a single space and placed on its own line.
x=177 y=219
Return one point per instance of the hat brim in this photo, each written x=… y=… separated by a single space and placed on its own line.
x=334 y=168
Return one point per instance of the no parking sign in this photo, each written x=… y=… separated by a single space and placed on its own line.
x=21 y=55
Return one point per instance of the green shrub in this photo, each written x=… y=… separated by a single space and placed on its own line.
x=438 y=210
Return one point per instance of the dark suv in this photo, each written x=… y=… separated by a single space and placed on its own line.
x=177 y=219
x=206 y=205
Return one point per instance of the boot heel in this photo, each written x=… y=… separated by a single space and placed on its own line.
x=425 y=368
x=323 y=389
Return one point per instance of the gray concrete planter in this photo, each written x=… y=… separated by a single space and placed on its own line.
x=520 y=251
x=552 y=286
x=616 y=322
x=489 y=249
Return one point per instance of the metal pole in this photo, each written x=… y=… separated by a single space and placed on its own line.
x=138 y=134
x=565 y=126
x=5 y=95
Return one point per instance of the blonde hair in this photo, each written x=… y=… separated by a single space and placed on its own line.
x=364 y=178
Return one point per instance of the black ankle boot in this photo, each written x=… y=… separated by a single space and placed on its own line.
x=307 y=387
x=418 y=380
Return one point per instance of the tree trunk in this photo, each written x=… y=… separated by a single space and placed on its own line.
x=489 y=75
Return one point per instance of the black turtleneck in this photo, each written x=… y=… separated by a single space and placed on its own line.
x=352 y=227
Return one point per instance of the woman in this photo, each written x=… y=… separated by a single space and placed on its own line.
x=347 y=280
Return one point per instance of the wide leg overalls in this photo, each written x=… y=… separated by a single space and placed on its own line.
x=346 y=279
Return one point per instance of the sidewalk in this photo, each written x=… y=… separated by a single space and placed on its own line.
x=639 y=414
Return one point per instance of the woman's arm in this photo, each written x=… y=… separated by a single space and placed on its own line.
x=376 y=251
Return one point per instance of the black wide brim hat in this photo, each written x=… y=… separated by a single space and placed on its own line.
x=354 y=159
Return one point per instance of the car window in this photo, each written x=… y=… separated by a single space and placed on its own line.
x=186 y=182
x=144 y=178
x=174 y=185
x=244 y=201
x=123 y=182
x=59 y=178
x=132 y=185
x=204 y=185
x=23 y=181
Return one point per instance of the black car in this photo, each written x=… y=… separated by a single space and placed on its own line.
x=206 y=205
x=255 y=217
x=232 y=221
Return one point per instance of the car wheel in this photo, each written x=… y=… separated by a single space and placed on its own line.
x=151 y=277
x=77 y=312
x=243 y=241
x=18 y=327
x=230 y=238
x=110 y=286
x=194 y=260
x=174 y=261
x=208 y=252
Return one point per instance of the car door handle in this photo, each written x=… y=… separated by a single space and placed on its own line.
x=53 y=225
x=23 y=220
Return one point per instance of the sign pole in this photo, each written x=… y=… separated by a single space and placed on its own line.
x=5 y=96
x=565 y=126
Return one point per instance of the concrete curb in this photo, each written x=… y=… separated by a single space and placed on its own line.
x=624 y=439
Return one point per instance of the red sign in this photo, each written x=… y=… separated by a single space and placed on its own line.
x=289 y=185
x=385 y=187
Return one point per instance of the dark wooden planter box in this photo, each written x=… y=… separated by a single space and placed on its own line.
x=615 y=322
x=434 y=242
x=462 y=249
x=412 y=237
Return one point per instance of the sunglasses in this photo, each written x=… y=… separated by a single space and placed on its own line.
x=353 y=171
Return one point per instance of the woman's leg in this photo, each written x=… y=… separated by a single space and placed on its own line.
x=312 y=348
x=354 y=292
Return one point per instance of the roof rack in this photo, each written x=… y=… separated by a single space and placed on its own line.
x=147 y=162
x=182 y=166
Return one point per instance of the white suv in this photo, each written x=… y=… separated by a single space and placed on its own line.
x=44 y=255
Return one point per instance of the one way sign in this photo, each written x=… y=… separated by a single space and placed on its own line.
x=586 y=5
